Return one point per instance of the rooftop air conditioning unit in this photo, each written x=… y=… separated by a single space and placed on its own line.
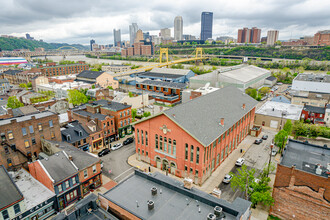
x=211 y=216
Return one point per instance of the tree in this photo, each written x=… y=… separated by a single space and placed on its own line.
x=146 y=114
x=110 y=87
x=130 y=94
x=23 y=85
x=280 y=139
x=93 y=86
x=288 y=126
x=29 y=85
x=264 y=90
x=13 y=102
x=243 y=180
x=76 y=97
x=134 y=112
x=261 y=192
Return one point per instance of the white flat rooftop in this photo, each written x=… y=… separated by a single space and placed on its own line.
x=66 y=85
x=244 y=73
x=276 y=109
x=63 y=77
x=171 y=71
x=33 y=191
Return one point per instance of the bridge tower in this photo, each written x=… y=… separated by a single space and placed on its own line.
x=199 y=51
x=161 y=52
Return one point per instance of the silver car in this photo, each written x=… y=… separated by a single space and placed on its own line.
x=227 y=178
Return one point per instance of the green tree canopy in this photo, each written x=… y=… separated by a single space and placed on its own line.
x=134 y=112
x=13 y=102
x=280 y=139
x=76 y=97
x=288 y=126
x=243 y=180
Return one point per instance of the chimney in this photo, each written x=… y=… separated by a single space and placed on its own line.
x=10 y=111
x=243 y=107
x=57 y=145
x=70 y=158
x=222 y=122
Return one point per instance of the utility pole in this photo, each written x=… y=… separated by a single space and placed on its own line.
x=270 y=157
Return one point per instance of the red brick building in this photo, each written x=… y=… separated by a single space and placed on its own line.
x=51 y=69
x=194 y=138
x=247 y=35
x=302 y=187
x=313 y=114
x=161 y=91
x=322 y=38
x=21 y=137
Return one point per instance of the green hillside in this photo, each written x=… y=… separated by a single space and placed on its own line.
x=15 y=43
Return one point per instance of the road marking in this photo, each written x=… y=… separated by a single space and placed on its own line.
x=123 y=173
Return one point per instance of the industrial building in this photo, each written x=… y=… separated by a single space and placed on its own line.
x=241 y=76
x=312 y=83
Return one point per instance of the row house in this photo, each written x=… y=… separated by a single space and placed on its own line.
x=191 y=140
x=4 y=86
x=23 y=197
x=162 y=91
x=75 y=134
x=59 y=174
x=27 y=76
x=100 y=127
x=121 y=112
x=313 y=114
x=99 y=78
x=89 y=167
x=21 y=137
x=10 y=75
x=51 y=69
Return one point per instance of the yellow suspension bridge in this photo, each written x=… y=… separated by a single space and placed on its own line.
x=163 y=53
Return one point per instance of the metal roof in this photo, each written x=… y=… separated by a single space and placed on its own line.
x=164 y=84
x=90 y=74
x=26 y=117
x=201 y=116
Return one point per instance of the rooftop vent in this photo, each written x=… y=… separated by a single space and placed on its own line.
x=187 y=183
x=151 y=204
x=153 y=191
x=243 y=106
x=222 y=122
x=211 y=216
x=218 y=212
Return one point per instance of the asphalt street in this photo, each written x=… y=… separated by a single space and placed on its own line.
x=115 y=164
x=257 y=157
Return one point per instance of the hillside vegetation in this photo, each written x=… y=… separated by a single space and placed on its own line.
x=15 y=43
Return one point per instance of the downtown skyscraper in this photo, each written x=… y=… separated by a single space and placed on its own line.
x=133 y=28
x=178 y=28
x=206 y=25
x=116 y=38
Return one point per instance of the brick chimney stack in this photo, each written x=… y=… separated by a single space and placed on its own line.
x=243 y=107
x=222 y=122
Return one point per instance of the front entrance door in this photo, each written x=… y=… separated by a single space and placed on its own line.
x=165 y=164
x=158 y=162
x=61 y=203
x=173 y=168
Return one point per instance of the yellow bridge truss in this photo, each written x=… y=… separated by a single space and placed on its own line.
x=163 y=53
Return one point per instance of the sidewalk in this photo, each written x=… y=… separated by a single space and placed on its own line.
x=216 y=177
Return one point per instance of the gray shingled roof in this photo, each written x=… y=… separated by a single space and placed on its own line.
x=92 y=115
x=201 y=116
x=80 y=158
x=9 y=192
x=73 y=129
x=164 y=84
x=114 y=106
x=27 y=117
x=89 y=74
x=314 y=109
x=12 y=72
x=59 y=166
x=160 y=75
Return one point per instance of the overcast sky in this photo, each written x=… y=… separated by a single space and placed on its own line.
x=77 y=21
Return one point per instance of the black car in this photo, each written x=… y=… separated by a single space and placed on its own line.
x=258 y=141
x=264 y=137
x=128 y=141
x=103 y=152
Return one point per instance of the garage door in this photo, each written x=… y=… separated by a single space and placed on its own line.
x=273 y=124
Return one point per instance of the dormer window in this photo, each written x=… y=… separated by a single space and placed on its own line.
x=80 y=133
x=68 y=137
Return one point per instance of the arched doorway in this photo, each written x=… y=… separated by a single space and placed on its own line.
x=173 y=167
x=158 y=162
x=165 y=164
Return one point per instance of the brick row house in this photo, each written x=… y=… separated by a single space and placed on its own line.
x=51 y=69
x=161 y=91
x=314 y=114
x=10 y=75
x=302 y=186
x=21 y=137
x=191 y=140
x=75 y=134
x=90 y=172
x=100 y=127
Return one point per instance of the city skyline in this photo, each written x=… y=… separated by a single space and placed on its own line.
x=80 y=21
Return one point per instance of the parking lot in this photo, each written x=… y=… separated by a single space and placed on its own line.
x=257 y=157
x=115 y=164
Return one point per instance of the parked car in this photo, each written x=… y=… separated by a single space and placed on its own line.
x=116 y=146
x=128 y=141
x=227 y=178
x=258 y=141
x=274 y=152
x=103 y=152
x=239 y=162
x=264 y=137
x=279 y=83
x=150 y=106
